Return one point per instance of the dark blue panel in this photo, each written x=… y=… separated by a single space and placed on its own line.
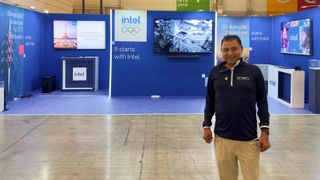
x=33 y=50
x=260 y=40
x=156 y=73
x=89 y=64
x=51 y=63
x=314 y=90
x=284 y=85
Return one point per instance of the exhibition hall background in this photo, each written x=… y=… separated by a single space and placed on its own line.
x=29 y=48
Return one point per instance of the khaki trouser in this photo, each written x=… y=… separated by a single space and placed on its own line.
x=228 y=152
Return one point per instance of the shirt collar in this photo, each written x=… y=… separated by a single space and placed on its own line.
x=222 y=67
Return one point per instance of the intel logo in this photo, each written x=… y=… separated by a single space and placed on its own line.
x=131 y=20
x=79 y=74
x=131 y=25
x=273 y=83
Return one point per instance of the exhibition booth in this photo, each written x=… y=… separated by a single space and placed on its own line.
x=154 y=53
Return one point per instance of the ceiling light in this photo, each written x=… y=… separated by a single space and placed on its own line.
x=32 y=7
x=46 y=11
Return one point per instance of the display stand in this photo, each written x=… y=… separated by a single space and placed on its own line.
x=80 y=73
x=314 y=90
x=2 y=96
x=285 y=85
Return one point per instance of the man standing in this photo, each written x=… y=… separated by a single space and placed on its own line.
x=234 y=89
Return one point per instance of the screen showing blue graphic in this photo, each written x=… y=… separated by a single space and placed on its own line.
x=296 y=37
x=182 y=36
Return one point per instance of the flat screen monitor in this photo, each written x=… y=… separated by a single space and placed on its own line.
x=182 y=36
x=296 y=37
x=79 y=34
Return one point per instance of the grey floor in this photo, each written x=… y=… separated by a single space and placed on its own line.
x=98 y=147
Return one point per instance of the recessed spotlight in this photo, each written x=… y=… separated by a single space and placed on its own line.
x=46 y=11
x=32 y=7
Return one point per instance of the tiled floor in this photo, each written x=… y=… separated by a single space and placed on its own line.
x=98 y=147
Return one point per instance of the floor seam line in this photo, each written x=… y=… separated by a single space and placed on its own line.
x=17 y=141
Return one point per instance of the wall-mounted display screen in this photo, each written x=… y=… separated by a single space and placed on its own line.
x=296 y=37
x=182 y=36
x=79 y=34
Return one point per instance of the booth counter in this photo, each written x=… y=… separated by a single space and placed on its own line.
x=2 y=96
x=285 y=84
x=80 y=73
x=314 y=89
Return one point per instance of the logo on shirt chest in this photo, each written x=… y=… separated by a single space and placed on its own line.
x=243 y=78
x=240 y=78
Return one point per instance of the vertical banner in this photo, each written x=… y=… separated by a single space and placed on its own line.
x=193 y=5
x=307 y=4
x=130 y=26
x=275 y=7
x=12 y=49
x=234 y=26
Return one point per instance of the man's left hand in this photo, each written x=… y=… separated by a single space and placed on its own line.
x=264 y=142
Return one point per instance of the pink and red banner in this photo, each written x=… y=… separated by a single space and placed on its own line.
x=308 y=4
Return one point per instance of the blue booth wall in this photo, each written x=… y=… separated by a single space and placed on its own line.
x=26 y=34
x=153 y=73
x=156 y=73
x=51 y=62
x=260 y=40
x=289 y=60
x=33 y=50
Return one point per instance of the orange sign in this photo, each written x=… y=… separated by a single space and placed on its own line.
x=276 y=7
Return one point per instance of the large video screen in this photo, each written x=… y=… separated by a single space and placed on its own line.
x=182 y=36
x=79 y=34
x=296 y=37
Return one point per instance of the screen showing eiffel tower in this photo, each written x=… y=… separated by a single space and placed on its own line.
x=65 y=34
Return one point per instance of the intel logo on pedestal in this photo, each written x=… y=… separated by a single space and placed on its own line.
x=273 y=83
x=79 y=74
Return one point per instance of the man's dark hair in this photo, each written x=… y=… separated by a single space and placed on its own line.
x=230 y=38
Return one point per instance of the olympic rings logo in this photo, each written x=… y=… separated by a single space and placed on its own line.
x=130 y=30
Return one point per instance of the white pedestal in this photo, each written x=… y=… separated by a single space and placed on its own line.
x=297 y=86
x=1 y=99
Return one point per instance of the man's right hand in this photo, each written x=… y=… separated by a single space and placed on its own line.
x=207 y=135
